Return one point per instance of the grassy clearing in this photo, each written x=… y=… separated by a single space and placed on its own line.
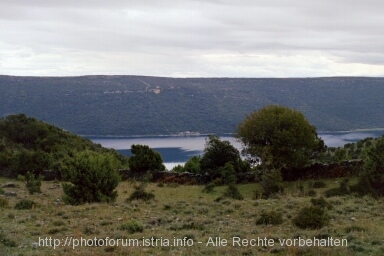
x=185 y=211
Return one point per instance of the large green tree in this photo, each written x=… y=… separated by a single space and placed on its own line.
x=144 y=159
x=280 y=136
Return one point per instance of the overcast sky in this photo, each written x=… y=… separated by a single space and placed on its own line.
x=192 y=38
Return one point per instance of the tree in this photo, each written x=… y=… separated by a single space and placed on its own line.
x=217 y=153
x=193 y=165
x=144 y=159
x=372 y=179
x=280 y=136
x=93 y=177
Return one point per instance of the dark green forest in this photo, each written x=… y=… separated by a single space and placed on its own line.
x=137 y=105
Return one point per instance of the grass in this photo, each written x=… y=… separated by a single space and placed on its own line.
x=179 y=212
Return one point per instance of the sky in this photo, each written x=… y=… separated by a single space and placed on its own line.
x=192 y=38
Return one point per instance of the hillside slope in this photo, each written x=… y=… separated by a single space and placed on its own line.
x=30 y=145
x=137 y=105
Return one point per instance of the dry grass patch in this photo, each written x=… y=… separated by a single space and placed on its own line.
x=184 y=211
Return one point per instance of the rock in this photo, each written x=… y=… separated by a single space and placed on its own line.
x=9 y=185
x=10 y=193
x=55 y=186
x=353 y=219
x=35 y=245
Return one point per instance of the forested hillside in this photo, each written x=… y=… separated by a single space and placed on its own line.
x=27 y=144
x=136 y=105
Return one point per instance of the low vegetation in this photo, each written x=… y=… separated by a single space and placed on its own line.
x=184 y=211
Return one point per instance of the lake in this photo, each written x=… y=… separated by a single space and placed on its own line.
x=178 y=149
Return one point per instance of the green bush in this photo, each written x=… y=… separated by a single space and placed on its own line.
x=373 y=175
x=257 y=193
x=321 y=202
x=6 y=241
x=311 y=217
x=21 y=178
x=93 y=177
x=363 y=187
x=132 y=227
x=312 y=193
x=233 y=192
x=145 y=159
x=140 y=193
x=25 y=204
x=178 y=168
x=228 y=174
x=33 y=184
x=342 y=190
x=319 y=184
x=272 y=182
x=272 y=217
x=3 y=202
x=209 y=188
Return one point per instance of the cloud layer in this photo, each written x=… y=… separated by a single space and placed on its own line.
x=189 y=38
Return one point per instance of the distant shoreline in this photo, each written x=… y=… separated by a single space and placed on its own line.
x=221 y=134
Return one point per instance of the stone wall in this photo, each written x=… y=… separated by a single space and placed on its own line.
x=323 y=171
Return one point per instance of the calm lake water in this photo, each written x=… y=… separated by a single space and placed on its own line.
x=178 y=149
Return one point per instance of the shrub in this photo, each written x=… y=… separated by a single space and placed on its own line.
x=319 y=184
x=145 y=159
x=33 y=184
x=25 y=204
x=21 y=178
x=311 y=217
x=233 y=192
x=363 y=187
x=257 y=193
x=312 y=193
x=58 y=223
x=272 y=182
x=93 y=178
x=3 y=202
x=140 y=193
x=373 y=175
x=209 y=188
x=132 y=227
x=178 y=168
x=321 y=202
x=228 y=174
x=272 y=217
x=193 y=165
x=53 y=231
x=354 y=229
x=342 y=190
x=6 y=241
x=2 y=191
x=218 y=182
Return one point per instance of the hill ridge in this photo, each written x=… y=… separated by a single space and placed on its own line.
x=123 y=105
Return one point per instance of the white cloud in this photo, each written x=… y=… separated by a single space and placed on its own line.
x=192 y=38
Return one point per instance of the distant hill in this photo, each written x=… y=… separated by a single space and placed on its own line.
x=139 y=105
